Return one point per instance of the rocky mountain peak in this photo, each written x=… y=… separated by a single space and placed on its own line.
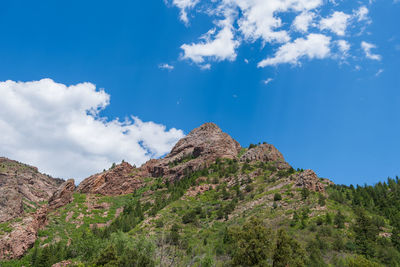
x=200 y=147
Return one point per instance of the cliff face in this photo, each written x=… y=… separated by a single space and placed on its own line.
x=22 y=187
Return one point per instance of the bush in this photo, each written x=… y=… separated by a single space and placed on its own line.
x=277 y=197
x=189 y=217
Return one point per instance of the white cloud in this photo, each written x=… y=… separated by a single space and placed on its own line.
x=215 y=46
x=336 y=23
x=268 y=23
x=344 y=47
x=59 y=129
x=260 y=19
x=367 y=50
x=315 y=46
x=267 y=81
x=303 y=21
x=166 y=66
x=362 y=14
x=379 y=72
x=184 y=6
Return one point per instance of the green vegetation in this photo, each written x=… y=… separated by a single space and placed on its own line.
x=249 y=214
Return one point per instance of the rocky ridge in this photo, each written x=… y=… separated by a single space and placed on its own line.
x=119 y=180
x=22 y=187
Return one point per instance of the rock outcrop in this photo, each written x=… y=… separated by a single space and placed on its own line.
x=265 y=153
x=23 y=235
x=22 y=187
x=122 y=179
x=63 y=263
x=63 y=195
x=308 y=179
x=199 y=148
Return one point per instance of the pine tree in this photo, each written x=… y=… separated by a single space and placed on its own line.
x=339 y=220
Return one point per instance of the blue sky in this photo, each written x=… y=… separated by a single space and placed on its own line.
x=336 y=112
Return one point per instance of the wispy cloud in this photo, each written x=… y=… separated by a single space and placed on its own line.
x=268 y=81
x=379 y=72
x=367 y=47
x=165 y=66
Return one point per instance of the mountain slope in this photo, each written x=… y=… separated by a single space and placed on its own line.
x=245 y=207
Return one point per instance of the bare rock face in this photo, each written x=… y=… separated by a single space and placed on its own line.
x=22 y=186
x=13 y=245
x=265 y=153
x=122 y=179
x=308 y=179
x=199 y=148
x=63 y=195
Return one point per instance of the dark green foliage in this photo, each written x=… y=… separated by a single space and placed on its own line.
x=288 y=251
x=339 y=220
x=328 y=218
x=252 y=146
x=190 y=217
x=366 y=234
x=321 y=200
x=305 y=193
x=277 y=197
x=251 y=244
x=285 y=172
x=174 y=236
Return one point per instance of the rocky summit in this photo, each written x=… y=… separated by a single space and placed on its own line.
x=198 y=149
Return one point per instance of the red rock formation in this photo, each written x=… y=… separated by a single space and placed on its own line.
x=309 y=180
x=63 y=195
x=199 y=148
x=22 y=185
x=122 y=179
x=265 y=153
x=23 y=236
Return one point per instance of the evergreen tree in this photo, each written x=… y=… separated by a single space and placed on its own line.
x=339 y=220
x=288 y=251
